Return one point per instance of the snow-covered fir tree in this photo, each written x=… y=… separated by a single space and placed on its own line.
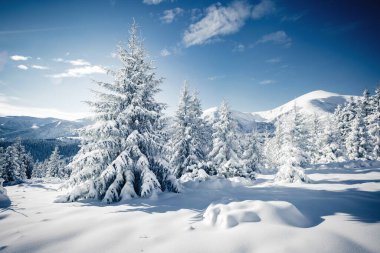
x=188 y=142
x=374 y=124
x=273 y=145
x=345 y=115
x=357 y=141
x=55 y=165
x=252 y=154
x=17 y=162
x=315 y=139
x=2 y=162
x=225 y=153
x=333 y=149
x=292 y=155
x=121 y=153
x=39 y=169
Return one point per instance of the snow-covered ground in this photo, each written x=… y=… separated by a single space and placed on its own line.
x=339 y=212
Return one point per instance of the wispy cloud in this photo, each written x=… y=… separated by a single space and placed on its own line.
x=343 y=28
x=3 y=59
x=19 y=58
x=77 y=62
x=263 y=9
x=80 y=72
x=152 y=2
x=279 y=37
x=39 y=67
x=7 y=32
x=239 y=48
x=165 y=52
x=170 y=15
x=213 y=78
x=23 y=67
x=266 y=82
x=219 y=21
x=6 y=98
x=293 y=18
x=9 y=108
x=273 y=60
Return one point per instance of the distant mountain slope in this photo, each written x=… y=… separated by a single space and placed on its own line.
x=319 y=102
x=26 y=127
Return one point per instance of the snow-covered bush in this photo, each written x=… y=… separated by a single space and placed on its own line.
x=4 y=199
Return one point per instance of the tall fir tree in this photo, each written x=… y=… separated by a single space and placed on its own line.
x=121 y=154
x=2 y=163
x=225 y=153
x=374 y=124
x=188 y=141
x=292 y=150
x=315 y=139
x=358 y=140
x=17 y=163
x=55 y=165
x=333 y=149
x=252 y=154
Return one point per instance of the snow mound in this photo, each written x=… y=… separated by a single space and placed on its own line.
x=4 y=200
x=234 y=213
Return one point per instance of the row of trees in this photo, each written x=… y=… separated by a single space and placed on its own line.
x=16 y=164
x=130 y=152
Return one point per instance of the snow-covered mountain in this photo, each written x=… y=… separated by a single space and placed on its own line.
x=26 y=127
x=320 y=102
x=317 y=102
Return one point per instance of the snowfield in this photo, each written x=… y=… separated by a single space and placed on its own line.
x=338 y=212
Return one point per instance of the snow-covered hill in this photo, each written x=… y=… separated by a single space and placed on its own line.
x=25 y=127
x=317 y=102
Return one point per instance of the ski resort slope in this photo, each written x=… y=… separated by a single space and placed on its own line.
x=339 y=212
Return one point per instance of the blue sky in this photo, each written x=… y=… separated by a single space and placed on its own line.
x=255 y=54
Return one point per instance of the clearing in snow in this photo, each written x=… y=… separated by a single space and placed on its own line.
x=339 y=212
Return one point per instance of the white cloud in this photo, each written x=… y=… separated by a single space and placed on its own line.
x=164 y=52
x=274 y=60
x=265 y=82
x=58 y=60
x=23 y=67
x=39 y=67
x=169 y=15
x=78 y=62
x=152 y=1
x=79 y=72
x=264 y=8
x=218 y=21
x=279 y=37
x=19 y=58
